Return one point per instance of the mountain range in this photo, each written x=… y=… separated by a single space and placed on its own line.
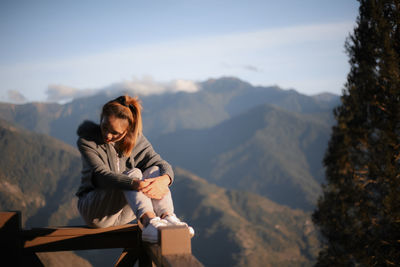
x=265 y=150
x=258 y=151
x=216 y=101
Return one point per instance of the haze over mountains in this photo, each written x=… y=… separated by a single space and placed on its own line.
x=258 y=151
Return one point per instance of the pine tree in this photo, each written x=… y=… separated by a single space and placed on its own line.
x=358 y=214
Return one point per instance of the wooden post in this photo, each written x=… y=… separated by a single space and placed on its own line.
x=10 y=243
x=174 y=248
x=129 y=256
x=175 y=240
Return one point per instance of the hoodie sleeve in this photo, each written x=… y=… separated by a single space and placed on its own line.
x=145 y=157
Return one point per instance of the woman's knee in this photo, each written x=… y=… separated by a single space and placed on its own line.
x=153 y=171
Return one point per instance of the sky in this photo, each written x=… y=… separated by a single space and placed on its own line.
x=57 y=50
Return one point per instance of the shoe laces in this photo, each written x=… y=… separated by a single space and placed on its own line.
x=174 y=220
x=157 y=222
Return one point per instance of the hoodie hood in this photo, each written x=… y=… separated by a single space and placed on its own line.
x=90 y=131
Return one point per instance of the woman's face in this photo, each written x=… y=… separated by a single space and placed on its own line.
x=113 y=129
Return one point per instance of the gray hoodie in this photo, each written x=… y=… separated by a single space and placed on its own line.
x=99 y=161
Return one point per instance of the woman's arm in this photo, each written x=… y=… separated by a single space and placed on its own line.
x=145 y=157
x=96 y=166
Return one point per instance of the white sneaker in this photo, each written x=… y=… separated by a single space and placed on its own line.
x=150 y=232
x=173 y=220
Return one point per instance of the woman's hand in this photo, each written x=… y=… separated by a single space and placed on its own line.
x=138 y=185
x=157 y=187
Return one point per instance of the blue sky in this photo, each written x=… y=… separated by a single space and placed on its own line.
x=54 y=50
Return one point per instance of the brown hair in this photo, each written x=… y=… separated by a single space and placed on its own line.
x=126 y=107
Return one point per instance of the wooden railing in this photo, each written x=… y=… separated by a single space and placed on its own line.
x=18 y=246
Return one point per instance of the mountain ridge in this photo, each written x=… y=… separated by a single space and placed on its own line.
x=232 y=154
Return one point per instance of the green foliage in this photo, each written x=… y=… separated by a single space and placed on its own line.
x=359 y=212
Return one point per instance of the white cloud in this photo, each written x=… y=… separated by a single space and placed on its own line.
x=147 y=86
x=16 y=96
x=183 y=85
x=60 y=93
x=144 y=86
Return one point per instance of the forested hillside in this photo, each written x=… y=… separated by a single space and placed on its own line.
x=38 y=175
x=236 y=228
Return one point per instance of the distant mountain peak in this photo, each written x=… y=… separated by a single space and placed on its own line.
x=225 y=78
x=225 y=82
x=325 y=97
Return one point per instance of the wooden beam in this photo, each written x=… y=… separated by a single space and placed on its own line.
x=77 y=230
x=80 y=238
x=174 y=248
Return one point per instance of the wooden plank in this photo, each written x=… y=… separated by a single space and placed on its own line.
x=48 y=244
x=77 y=230
x=62 y=239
